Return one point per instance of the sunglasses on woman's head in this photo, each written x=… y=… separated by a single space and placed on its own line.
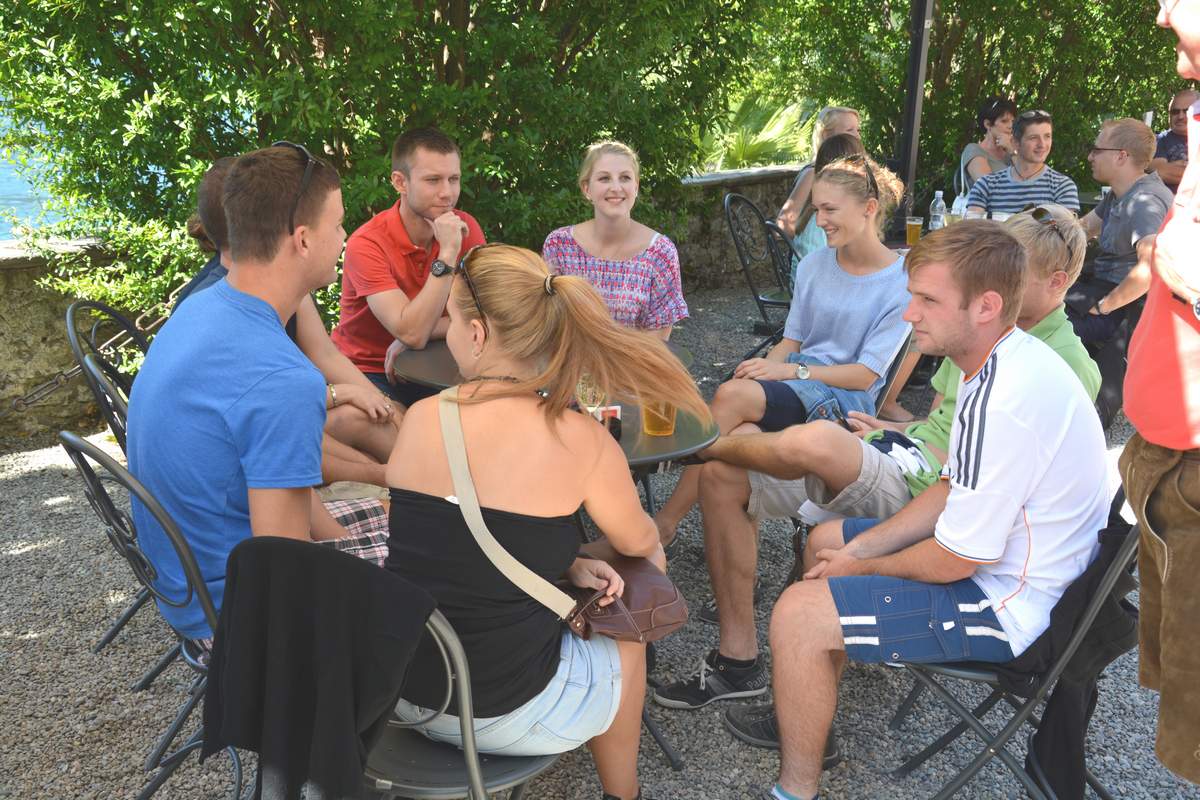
x=461 y=269
x=872 y=186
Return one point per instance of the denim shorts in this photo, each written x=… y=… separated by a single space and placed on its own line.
x=578 y=704
x=893 y=619
x=400 y=391
x=795 y=401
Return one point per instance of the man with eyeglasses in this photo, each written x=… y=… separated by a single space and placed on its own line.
x=397 y=273
x=1160 y=465
x=1029 y=181
x=228 y=438
x=1171 y=152
x=1125 y=223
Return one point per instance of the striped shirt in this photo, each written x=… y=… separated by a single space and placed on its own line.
x=1002 y=191
x=1028 y=489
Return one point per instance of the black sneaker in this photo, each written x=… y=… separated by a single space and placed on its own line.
x=708 y=612
x=757 y=725
x=714 y=681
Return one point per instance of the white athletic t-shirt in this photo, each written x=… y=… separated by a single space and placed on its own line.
x=1028 y=489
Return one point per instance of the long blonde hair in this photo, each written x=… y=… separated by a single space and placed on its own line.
x=561 y=324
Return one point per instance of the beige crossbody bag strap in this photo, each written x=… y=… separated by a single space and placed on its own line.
x=522 y=576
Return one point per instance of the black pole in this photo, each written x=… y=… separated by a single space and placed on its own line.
x=914 y=95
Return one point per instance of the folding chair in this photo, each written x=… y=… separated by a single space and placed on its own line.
x=404 y=763
x=1124 y=543
x=751 y=241
x=97 y=468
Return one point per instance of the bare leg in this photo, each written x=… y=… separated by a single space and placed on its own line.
x=615 y=751
x=340 y=462
x=826 y=536
x=351 y=426
x=821 y=448
x=808 y=656
x=731 y=547
x=736 y=401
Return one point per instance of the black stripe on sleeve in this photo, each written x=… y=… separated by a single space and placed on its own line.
x=986 y=389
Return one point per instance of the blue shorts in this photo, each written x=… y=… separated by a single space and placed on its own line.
x=893 y=619
x=796 y=401
x=578 y=704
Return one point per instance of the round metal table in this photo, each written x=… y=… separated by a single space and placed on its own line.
x=434 y=366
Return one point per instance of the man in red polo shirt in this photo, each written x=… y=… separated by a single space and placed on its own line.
x=397 y=273
x=1161 y=463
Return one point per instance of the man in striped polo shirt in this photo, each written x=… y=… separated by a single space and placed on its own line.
x=1028 y=180
x=971 y=568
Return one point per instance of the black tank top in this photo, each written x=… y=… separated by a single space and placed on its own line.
x=512 y=641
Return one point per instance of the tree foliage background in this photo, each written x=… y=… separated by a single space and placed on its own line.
x=118 y=106
x=1081 y=60
x=125 y=103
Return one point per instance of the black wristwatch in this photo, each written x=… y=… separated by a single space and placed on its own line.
x=439 y=268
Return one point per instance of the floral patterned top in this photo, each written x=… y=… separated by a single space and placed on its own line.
x=642 y=292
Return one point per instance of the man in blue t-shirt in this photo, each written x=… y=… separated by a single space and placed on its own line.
x=1171 y=153
x=228 y=439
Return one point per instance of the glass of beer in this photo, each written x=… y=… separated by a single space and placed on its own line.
x=952 y=218
x=913 y=230
x=658 y=419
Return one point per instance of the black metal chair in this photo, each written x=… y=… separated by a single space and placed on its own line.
x=106 y=333
x=113 y=401
x=404 y=763
x=97 y=469
x=751 y=240
x=1039 y=686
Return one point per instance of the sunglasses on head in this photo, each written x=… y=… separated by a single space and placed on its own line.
x=309 y=163
x=1028 y=116
x=1045 y=217
x=461 y=269
x=872 y=185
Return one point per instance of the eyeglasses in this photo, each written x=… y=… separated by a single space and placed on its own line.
x=1045 y=217
x=872 y=185
x=1094 y=149
x=309 y=164
x=461 y=269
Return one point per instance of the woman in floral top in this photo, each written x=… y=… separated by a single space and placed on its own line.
x=635 y=268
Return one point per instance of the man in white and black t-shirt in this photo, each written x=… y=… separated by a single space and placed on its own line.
x=1029 y=180
x=970 y=569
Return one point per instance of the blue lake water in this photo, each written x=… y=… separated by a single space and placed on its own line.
x=15 y=195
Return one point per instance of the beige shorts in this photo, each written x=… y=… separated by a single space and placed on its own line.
x=880 y=491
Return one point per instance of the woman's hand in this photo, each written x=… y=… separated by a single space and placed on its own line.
x=765 y=369
x=592 y=573
x=370 y=401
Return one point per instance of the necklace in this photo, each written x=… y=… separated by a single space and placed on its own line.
x=508 y=378
x=1021 y=177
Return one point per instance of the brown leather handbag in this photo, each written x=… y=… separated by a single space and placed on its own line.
x=648 y=609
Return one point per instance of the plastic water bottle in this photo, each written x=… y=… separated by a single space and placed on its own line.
x=937 y=212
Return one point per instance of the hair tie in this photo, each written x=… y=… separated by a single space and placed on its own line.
x=548 y=284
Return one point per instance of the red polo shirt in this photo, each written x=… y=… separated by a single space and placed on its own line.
x=381 y=257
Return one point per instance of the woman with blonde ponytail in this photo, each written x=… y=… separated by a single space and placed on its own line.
x=522 y=338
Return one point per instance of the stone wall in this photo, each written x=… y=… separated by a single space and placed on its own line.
x=706 y=255
x=33 y=350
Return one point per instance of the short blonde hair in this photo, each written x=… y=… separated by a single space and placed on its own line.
x=607 y=148
x=982 y=255
x=1051 y=245
x=858 y=175
x=825 y=118
x=1133 y=136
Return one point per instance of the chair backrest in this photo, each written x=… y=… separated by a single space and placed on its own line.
x=889 y=377
x=783 y=254
x=101 y=330
x=114 y=404
x=747 y=226
x=458 y=686
x=97 y=468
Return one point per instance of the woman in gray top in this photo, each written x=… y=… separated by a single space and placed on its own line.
x=993 y=152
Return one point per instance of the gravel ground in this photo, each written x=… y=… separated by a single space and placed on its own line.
x=71 y=728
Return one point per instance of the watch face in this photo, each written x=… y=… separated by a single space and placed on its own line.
x=439 y=268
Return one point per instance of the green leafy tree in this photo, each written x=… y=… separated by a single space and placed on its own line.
x=1081 y=60
x=127 y=102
